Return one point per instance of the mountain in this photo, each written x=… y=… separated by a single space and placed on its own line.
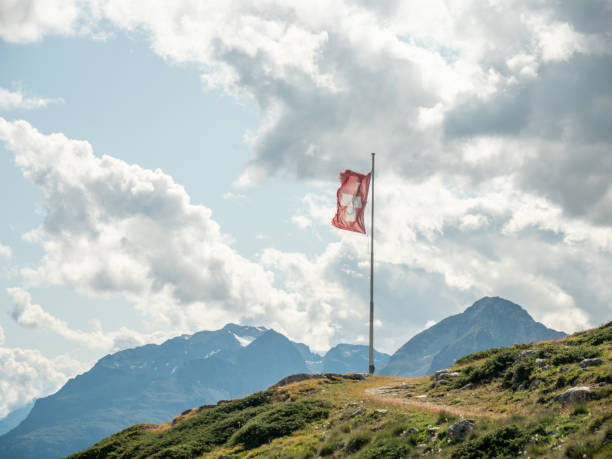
x=14 y=418
x=343 y=358
x=150 y=384
x=489 y=322
x=550 y=399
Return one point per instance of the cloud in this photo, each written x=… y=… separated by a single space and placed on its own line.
x=492 y=128
x=5 y=252
x=420 y=83
x=2 y=337
x=30 y=315
x=29 y=20
x=301 y=221
x=26 y=374
x=111 y=228
x=10 y=100
x=451 y=243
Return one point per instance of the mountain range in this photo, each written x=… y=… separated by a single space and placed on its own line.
x=551 y=399
x=489 y=322
x=152 y=383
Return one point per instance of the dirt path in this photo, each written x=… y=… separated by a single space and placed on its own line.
x=397 y=395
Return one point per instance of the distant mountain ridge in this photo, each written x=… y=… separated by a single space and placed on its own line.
x=152 y=383
x=489 y=322
x=11 y=420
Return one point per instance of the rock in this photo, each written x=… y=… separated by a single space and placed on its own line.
x=357 y=412
x=410 y=431
x=574 y=395
x=380 y=411
x=541 y=362
x=352 y=405
x=461 y=429
x=591 y=362
x=468 y=386
x=563 y=369
x=524 y=355
x=445 y=374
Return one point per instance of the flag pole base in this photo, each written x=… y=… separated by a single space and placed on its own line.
x=371 y=370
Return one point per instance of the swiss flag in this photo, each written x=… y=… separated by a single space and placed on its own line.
x=352 y=198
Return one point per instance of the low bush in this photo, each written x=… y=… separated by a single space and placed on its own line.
x=357 y=441
x=387 y=449
x=479 y=355
x=518 y=374
x=279 y=421
x=507 y=441
x=491 y=368
x=595 y=337
x=580 y=409
x=443 y=417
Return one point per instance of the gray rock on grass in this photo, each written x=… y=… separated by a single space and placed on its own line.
x=572 y=395
x=591 y=362
x=461 y=429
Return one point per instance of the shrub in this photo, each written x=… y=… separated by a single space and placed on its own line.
x=518 y=374
x=574 y=354
x=598 y=421
x=479 y=355
x=357 y=441
x=493 y=367
x=507 y=441
x=328 y=449
x=595 y=337
x=443 y=417
x=387 y=449
x=279 y=421
x=580 y=409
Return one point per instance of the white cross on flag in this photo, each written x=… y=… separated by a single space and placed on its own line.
x=352 y=198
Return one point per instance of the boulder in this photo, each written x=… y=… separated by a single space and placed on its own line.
x=445 y=374
x=541 y=362
x=461 y=429
x=578 y=394
x=591 y=362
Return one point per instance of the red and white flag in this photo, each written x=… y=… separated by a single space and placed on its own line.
x=352 y=198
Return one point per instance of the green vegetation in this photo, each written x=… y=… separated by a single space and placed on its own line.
x=253 y=420
x=512 y=396
x=506 y=441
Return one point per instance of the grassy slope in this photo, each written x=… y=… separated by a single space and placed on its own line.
x=339 y=418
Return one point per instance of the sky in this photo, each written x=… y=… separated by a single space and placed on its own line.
x=169 y=167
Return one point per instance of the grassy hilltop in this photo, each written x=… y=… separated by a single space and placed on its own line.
x=514 y=396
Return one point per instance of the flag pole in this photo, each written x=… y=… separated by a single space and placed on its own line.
x=371 y=369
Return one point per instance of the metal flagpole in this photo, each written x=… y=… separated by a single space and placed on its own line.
x=371 y=369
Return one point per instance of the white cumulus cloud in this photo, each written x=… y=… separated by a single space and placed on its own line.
x=26 y=374
x=10 y=100
x=30 y=315
x=29 y=20
x=114 y=228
